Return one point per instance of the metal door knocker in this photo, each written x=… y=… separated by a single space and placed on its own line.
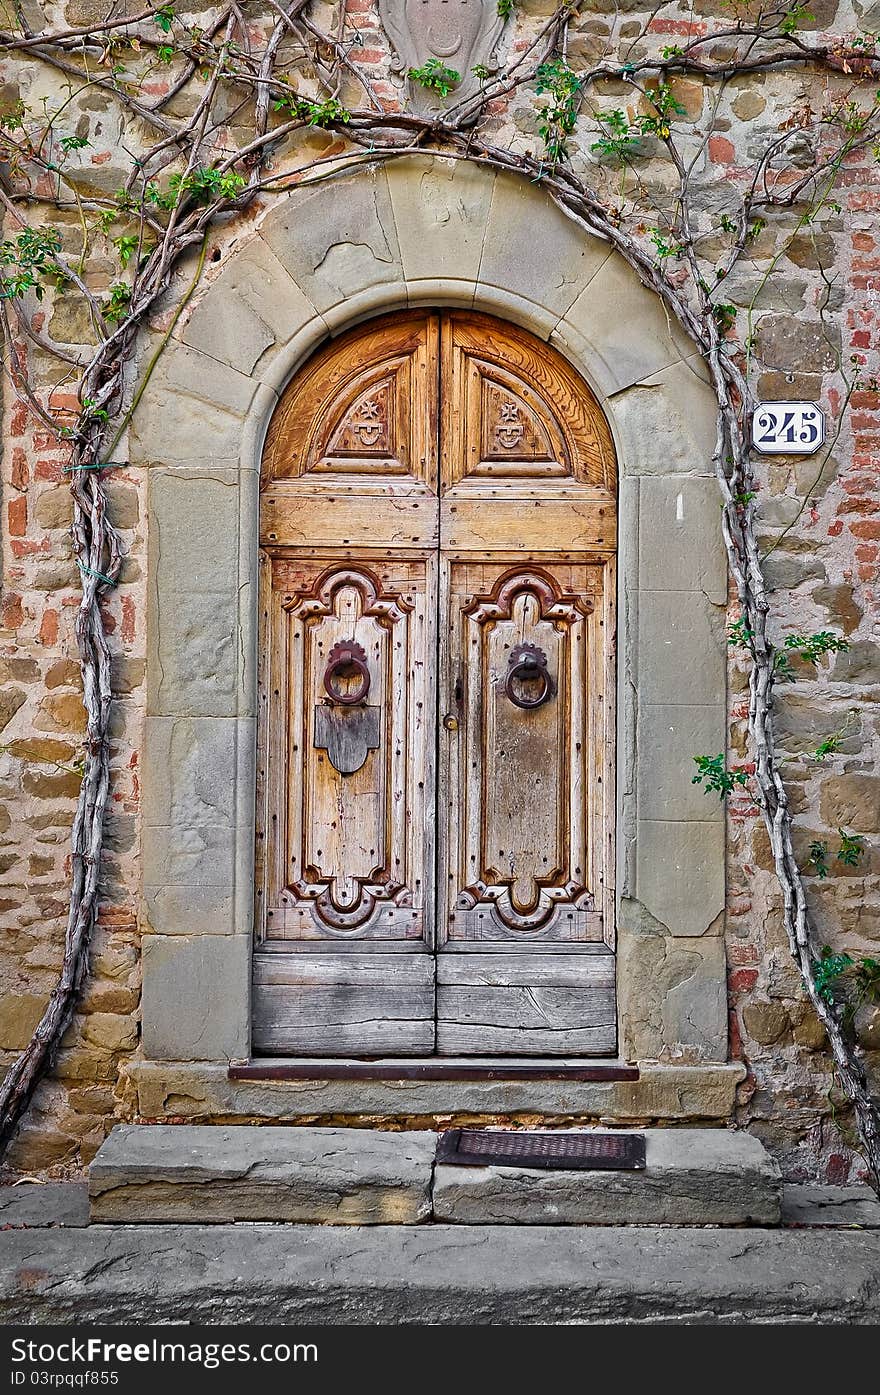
x=526 y=666
x=345 y=727
x=346 y=659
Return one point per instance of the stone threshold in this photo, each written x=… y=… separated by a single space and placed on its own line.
x=432 y=1068
x=203 y=1090
x=161 y=1173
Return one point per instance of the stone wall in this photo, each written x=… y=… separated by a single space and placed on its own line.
x=821 y=306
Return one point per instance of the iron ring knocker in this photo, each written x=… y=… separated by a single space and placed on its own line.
x=346 y=658
x=527 y=662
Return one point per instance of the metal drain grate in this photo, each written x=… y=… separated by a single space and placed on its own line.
x=586 y=1151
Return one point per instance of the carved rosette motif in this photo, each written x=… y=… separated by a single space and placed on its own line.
x=460 y=34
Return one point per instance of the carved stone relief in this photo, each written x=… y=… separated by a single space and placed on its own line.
x=460 y=34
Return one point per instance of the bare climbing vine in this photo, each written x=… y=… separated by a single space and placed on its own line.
x=254 y=80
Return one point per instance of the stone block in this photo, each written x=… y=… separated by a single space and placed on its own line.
x=189 y=855
x=194 y=667
x=19 y=1015
x=671 y=994
x=250 y=306
x=195 y=374
x=198 y=831
x=668 y=737
x=605 y=311
x=160 y=1173
x=681 y=632
x=680 y=874
x=851 y=802
x=34 y=1204
x=490 y=1277
x=801 y=722
x=680 y=543
x=174 y=428
x=193 y=522
x=523 y=222
x=196 y=991
x=440 y=211
x=198 y=772
x=666 y=423
x=783 y=571
x=788 y=343
x=858 y=664
x=185 y=908
x=338 y=239
x=691 y=1177
x=830 y=1206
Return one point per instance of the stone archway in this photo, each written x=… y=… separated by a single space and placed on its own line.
x=426 y=231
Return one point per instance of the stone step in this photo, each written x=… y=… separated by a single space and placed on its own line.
x=176 y=1172
x=161 y=1173
x=691 y=1177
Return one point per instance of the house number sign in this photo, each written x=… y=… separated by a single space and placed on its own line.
x=788 y=428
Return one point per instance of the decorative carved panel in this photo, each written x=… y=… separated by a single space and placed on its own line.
x=516 y=411
x=523 y=760
x=364 y=409
x=349 y=746
x=461 y=34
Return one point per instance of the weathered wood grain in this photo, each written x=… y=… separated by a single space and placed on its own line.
x=368 y=1004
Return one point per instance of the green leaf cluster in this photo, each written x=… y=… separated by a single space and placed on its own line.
x=435 y=76
x=619 y=142
x=666 y=108
x=323 y=114
x=117 y=303
x=561 y=84
x=810 y=648
x=844 y=982
x=29 y=259
x=712 y=772
x=794 y=17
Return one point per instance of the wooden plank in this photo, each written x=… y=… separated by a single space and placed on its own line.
x=348 y=1005
x=538 y=1004
x=530 y=522
x=356 y=1032
x=393 y=521
x=326 y=970
x=534 y=1009
x=526 y=969
x=487 y=1038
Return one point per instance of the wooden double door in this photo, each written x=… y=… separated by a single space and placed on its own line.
x=435 y=801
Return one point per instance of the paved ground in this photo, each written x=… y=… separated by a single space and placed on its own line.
x=824 y=1266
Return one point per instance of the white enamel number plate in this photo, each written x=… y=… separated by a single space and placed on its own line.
x=788 y=428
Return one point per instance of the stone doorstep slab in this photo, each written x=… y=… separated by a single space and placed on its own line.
x=171 y=1172
x=691 y=1177
x=39 y=1204
x=437 y=1274
x=160 y=1173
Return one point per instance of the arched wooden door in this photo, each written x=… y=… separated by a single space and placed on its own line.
x=435 y=828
